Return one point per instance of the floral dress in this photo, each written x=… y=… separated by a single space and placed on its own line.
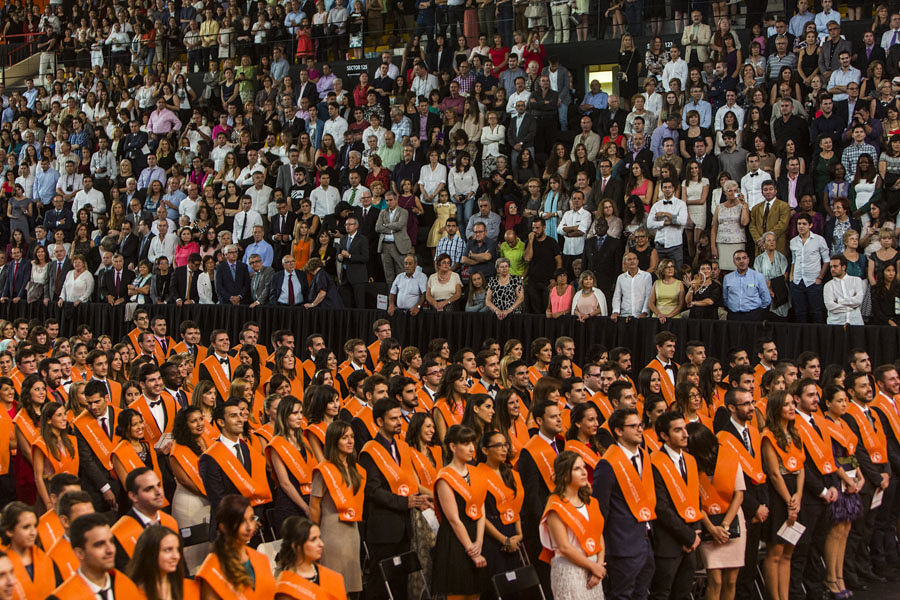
x=504 y=296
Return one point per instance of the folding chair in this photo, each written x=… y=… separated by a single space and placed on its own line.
x=196 y=545
x=512 y=584
x=270 y=550
x=402 y=565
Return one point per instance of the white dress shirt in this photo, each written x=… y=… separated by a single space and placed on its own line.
x=252 y=219
x=162 y=246
x=843 y=298
x=574 y=246
x=77 y=289
x=808 y=258
x=669 y=236
x=632 y=294
x=324 y=200
x=751 y=187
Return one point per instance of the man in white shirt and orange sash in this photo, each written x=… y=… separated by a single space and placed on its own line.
x=664 y=364
x=675 y=535
x=623 y=485
x=218 y=366
x=157 y=407
x=71 y=506
x=147 y=498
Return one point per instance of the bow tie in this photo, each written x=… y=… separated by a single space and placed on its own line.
x=753 y=174
x=669 y=367
x=667 y=202
x=224 y=361
x=66 y=382
x=155 y=403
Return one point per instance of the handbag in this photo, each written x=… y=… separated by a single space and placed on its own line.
x=734 y=531
x=780 y=293
x=533 y=11
x=33 y=291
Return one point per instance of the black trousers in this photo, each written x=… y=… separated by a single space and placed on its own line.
x=673 y=578
x=629 y=576
x=375 y=586
x=353 y=294
x=807 y=572
x=857 y=560
x=746 y=581
x=883 y=546
x=536 y=298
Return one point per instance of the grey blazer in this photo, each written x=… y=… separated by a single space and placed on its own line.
x=259 y=284
x=397 y=227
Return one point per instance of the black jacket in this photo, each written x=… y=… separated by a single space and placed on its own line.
x=387 y=514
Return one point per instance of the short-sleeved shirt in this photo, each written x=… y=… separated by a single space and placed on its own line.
x=543 y=261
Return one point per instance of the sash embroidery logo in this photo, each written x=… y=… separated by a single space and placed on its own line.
x=828 y=468
x=690 y=513
x=644 y=513
x=792 y=463
x=403 y=490
x=715 y=509
x=509 y=515
x=876 y=457
x=590 y=545
x=350 y=513
x=472 y=511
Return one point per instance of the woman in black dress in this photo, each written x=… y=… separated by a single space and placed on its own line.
x=884 y=297
x=502 y=505
x=630 y=66
x=704 y=296
x=292 y=461
x=461 y=534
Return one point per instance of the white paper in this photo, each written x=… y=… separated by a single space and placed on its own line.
x=791 y=534
x=852 y=475
x=381 y=302
x=877 y=498
x=431 y=519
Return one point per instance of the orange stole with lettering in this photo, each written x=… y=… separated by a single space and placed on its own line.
x=509 y=502
x=424 y=399
x=819 y=447
x=751 y=465
x=451 y=417
x=26 y=587
x=666 y=386
x=716 y=493
x=400 y=478
x=64 y=558
x=76 y=588
x=127 y=530
x=587 y=530
x=152 y=432
x=651 y=440
x=472 y=493
x=93 y=434
x=590 y=457
x=349 y=504
x=49 y=529
x=296 y=587
x=318 y=431
x=873 y=436
x=188 y=461
x=263 y=585
x=253 y=486
x=130 y=460
x=219 y=379
x=602 y=403
x=842 y=434
x=426 y=472
x=63 y=464
x=518 y=435
x=883 y=403
x=685 y=496
x=29 y=430
x=639 y=491
x=793 y=458
x=301 y=468
x=543 y=456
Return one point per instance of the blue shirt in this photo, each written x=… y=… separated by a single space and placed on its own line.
x=743 y=293
x=600 y=100
x=704 y=109
x=656 y=140
x=30 y=96
x=283 y=295
x=263 y=249
x=175 y=198
x=279 y=69
x=45 y=185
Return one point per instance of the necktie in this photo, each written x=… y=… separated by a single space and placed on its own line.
x=365 y=212
x=189 y=281
x=290 y=277
x=894 y=38
x=243 y=227
x=164 y=345
x=103 y=594
x=603 y=185
x=15 y=274
x=870 y=417
x=682 y=468
x=636 y=463
x=766 y=215
x=553 y=445
x=233 y=271
x=394 y=452
x=104 y=425
x=182 y=398
x=283 y=223
x=746 y=438
x=352 y=196
x=118 y=281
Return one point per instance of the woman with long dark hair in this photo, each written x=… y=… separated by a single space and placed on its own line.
x=479 y=414
x=157 y=567
x=133 y=451
x=35 y=574
x=581 y=438
x=451 y=397
x=301 y=576
x=336 y=504
x=321 y=406
x=55 y=451
x=233 y=565
x=27 y=424
x=511 y=419
x=654 y=406
x=502 y=504
x=291 y=460
x=190 y=505
x=711 y=388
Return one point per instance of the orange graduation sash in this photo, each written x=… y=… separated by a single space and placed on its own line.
x=590 y=457
x=7 y=433
x=26 y=587
x=188 y=461
x=873 y=437
x=716 y=493
x=64 y=558
x=253 y=486
x=349 y=505
x=842 y=434
x=884 y=404
x=93 y=434
x=301 y=468
x=263 y=585
x=666 y=386
x=473 y=493
x=602 y=403
x=152 y=432
x=651 y=440
x=543 y=456
x=451 y=417
x=127 y=530
x=509 y=502
x=219 y=379
x=296 y=587
x=130 y=460
x=400 y=477
x=425 y=471
x=318 y=431
x=793 y=458
x=534 y=374
x=63 y=464
x=751 y=465
x=819 y=447
x=639 y=491
x=26 y=426
x=685 y=496
x=49 y=529
x=76 y=588
x=587 y=530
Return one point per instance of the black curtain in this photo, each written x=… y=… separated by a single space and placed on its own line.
x=463 y=329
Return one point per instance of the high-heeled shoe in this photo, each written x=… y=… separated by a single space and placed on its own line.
x=847 y=593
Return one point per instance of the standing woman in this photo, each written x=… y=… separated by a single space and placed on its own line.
x=157 y=567
x=572 y=531
x=728 y=227
x=783 y=458
x=55 y=451
x=301 y=576
x=321 y=406
x=132 y=452
x=233 y=565
x=460 y=495
x=426 y=458
x=291 y=460
x=34 y=573
x=336 y=503
x=27 y=423
x=451 y=395
x=189 y=504
x=696 y=191
x=502 y=504
x=722 y=491
x=581 y=438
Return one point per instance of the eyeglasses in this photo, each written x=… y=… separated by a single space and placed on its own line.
x=745 y=404
x=498 y=445
x=634 y=425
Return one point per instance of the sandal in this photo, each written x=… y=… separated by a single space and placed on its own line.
x=847 y=594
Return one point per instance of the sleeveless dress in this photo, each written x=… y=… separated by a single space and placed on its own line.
x=442 y=211
x=458 y=574
x=730 y=236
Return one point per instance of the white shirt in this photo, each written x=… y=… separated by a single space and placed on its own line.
x=95 y=589
x=808 y=258
x=669 y=236
x=378 y=133
x=629 y=455
x=188 y=207
x=93 y=197
x=218 y=154
x=260 y=198
x=233 y=447
x=632 y=294
x=160 y=246
x=720 y=116
x=751 y=187
x=252 y=218
x=336 y=127
x=843 y=298
x=324 y=200
x=283 y=295
x=158 y=411
x=574 y=246
x=408 y=290
x=677 y=69
x=514 y=98
x=77 y=289
x=430 y=179
x=246 y=176
x=357 y=197
x=422 y=86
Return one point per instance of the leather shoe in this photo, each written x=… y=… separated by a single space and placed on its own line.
x=855 y=584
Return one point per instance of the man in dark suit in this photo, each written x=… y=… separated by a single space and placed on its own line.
x=802 y=183
x=230 y=448
x=232 y=279
x=368 y=215
x=19 y=276
x=675 y=536
x=391 y=492
x=639 y=153
x=884 y=550
x=145 y=492
x=114 y=287
x=352 y=258
x=426 y=118
x=607 y=187
x=281 y=229
x=544 y=106
x=535 y=460
x=288 y=286
x=59 y=267
x=94 y=433
x=629 y=518
x=285 y=177
x=613 y=114
x=59 y=217
x=869 y=51
x=183 y=289
x=739 y=433
x=709 y=164
x=145 y=236
x=128 y=244
x=521 y=131
x=603 y=256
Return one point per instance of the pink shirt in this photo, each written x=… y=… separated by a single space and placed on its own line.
x=183 y=252
x=561 y=303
